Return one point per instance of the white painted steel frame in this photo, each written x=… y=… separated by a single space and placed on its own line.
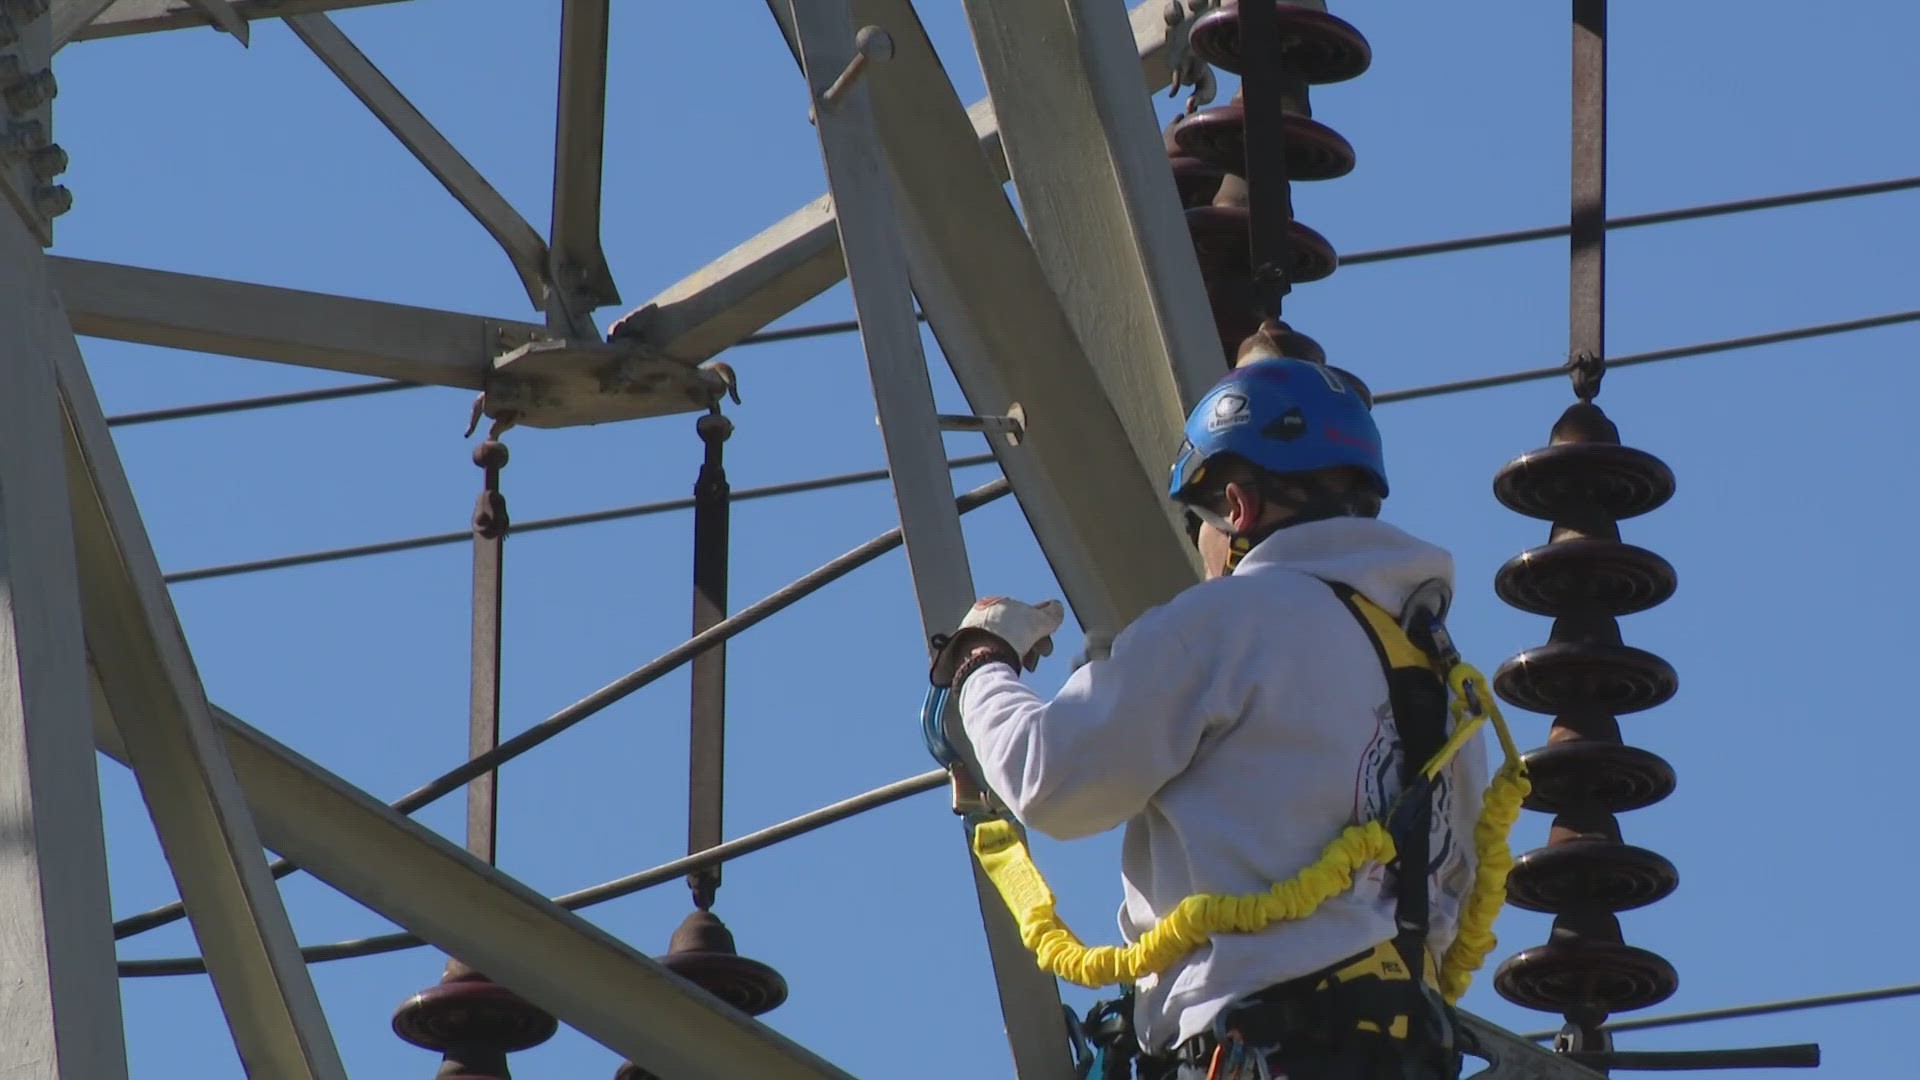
x=438 y=891
x=134 y=639
x=148 y=16
x=579 y=266
x=524 y=246
x=288 y=326
x=59 y=995
x=799 y=258
x=1090 y=168
x=1008 y=339
x=876 y=267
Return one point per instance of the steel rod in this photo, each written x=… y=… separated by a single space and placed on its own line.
x=707 y=738
x=748 y=617
x=613 y=890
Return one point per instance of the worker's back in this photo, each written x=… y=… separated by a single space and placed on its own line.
x=1238 y=729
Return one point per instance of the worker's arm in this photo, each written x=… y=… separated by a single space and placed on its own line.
x=1119 y=730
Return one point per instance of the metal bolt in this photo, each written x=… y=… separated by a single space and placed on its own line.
x=31 y=92
x=22 y=137
x=47 y=162
x=52 y=200
x=871 y=43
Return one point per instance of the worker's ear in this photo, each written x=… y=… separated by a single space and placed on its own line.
x=1243 y=507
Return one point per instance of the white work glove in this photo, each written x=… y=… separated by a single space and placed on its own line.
x=1017 y=633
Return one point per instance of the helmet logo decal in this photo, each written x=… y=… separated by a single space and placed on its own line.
x=1291 y=425
x=1229 y=410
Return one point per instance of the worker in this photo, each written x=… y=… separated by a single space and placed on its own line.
x=1238 y=728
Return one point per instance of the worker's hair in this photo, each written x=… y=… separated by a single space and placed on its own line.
x=1351 y=485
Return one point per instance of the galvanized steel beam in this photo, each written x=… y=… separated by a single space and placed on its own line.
x=59 y=996
x=1008 y=340
x=799 y=258
x=454 y=901
x=1090 y=167
x=148 y=16
x=524 y=246
x=261 y=322
x=835 y=60
x=133 y=638
x=579 y=266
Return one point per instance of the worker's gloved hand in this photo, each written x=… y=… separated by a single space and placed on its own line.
x=1019 y=634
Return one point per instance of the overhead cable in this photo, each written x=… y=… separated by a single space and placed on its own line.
x=1359 y=258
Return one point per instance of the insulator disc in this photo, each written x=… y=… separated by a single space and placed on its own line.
x=1564 y=976
x=747 y=985
x=1583 y=774
x=1586 y=577
x=1315 y=47
x=1218 y=136
x=1578 y=676
x=1220 y=242
x=1590 y=875
x=472 y=1012
x=1576 y=482
x=1198 y=181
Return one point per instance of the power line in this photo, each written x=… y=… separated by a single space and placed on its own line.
x=1484 y=382
x=744 y=619
x=1358 y=258
x=1738 y=1012
x=1802 y=333
x=414 y=543
x=600 y=894
x=1633 y=221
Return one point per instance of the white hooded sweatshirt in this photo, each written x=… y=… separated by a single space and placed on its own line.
x=1236 y=730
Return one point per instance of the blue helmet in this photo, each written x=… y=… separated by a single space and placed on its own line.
x=1285 y=416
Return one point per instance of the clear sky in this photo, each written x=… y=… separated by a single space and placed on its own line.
x=1792 y=732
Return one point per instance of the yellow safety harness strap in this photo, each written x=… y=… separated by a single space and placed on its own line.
x=1005 y=858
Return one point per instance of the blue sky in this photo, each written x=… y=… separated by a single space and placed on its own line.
x=1790 y=733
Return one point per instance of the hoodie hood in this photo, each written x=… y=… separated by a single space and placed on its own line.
x=1382 y=562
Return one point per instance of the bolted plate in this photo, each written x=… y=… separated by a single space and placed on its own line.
x=566 y=383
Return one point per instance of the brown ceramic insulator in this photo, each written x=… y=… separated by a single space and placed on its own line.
x=1584 y=667
x=1585 y=969
x=1196 y=180
x=1218 y=136
x=1220 y=241
x=472 y=1020
x=1586 y=575
x=702 y=952
x=1586 y=867
x=1315 y=47
x=1584 y=476
x=1588 y=774
x=630 y=1071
